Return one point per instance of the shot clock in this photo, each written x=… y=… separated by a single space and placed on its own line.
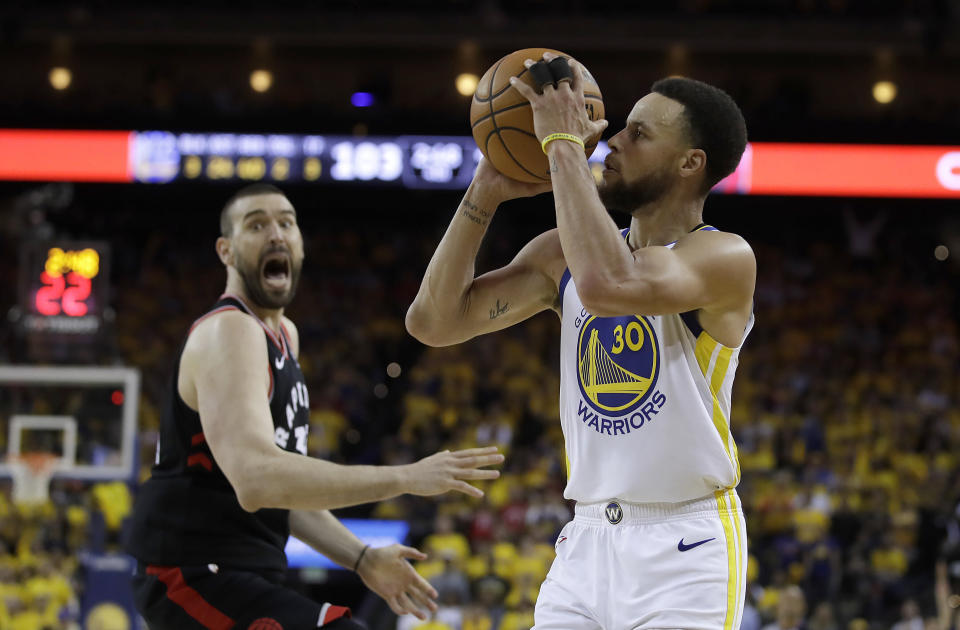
x=63 y=287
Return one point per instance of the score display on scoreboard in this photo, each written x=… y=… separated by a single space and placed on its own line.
x=63 y=286
x=411 y=161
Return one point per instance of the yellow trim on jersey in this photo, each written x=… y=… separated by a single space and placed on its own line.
x=703 y=227
x=704 y=351
x=733 y=560
x=737 y=524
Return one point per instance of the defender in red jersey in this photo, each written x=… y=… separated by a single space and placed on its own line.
x=232 y=480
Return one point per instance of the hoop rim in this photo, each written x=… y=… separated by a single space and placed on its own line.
x=39 y=462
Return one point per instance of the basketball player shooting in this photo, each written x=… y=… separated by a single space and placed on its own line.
x=652 y=321
x=231 y=480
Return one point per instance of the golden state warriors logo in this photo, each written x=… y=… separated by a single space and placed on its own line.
x=618 y=363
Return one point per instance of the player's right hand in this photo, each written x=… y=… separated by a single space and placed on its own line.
x=446 y=471
x=503 y=187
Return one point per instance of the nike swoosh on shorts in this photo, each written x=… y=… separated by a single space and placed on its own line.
x=683 y=547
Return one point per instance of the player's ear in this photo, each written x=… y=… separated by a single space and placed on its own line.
x=224 y=251
x=692 y=162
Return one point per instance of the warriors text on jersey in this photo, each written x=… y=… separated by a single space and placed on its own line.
x=644 y=405
x=187 y=513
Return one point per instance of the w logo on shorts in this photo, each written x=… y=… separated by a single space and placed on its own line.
x=614 y=512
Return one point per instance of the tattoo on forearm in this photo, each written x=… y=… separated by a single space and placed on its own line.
x=499 y=310
x=475 y=213
x=554 y=167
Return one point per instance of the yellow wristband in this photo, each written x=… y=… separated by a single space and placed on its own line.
x=560 y=136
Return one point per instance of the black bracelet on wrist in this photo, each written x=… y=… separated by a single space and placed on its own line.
x=359 y=558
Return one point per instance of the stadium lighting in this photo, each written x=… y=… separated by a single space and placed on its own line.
x=466 y=83
x=884 y=92
x=362 y=99
x=60 y=78
x=261 y=80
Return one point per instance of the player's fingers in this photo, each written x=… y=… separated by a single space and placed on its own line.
x=472 y=452
x=422 y=600
x=525 y=90
x=423 y=585
x=577 y=70
x=474 y=473
x=540 y=73
x=466 y=488
x=480 y=461
x=561 y=72
x=395 y=606
x=410 y=552
x=411 y=607
x=596 y=129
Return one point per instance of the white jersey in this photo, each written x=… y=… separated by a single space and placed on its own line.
x=644 y=405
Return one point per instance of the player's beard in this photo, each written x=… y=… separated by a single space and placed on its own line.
x=618 y=196
x=253 y=280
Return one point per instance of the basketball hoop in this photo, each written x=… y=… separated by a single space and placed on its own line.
x=31 y=477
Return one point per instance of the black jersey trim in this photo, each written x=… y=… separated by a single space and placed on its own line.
x=279 y=341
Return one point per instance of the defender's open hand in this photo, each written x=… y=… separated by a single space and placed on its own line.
x=445 y=471
x=387 y=573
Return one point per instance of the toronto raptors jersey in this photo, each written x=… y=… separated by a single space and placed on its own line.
x=187 y=513
x=644 y=405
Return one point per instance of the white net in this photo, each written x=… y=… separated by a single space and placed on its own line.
x=31 y=475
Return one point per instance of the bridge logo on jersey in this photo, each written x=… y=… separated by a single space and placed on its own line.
x=618 y=361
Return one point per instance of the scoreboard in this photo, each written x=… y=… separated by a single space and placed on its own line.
x=409 y=161
x=63 y=287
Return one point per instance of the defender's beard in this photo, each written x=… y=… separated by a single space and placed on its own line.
x=253 y=282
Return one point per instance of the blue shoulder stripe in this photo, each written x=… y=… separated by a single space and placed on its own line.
x=564 y=279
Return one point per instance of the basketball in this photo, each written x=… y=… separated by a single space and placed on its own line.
x=502 y=121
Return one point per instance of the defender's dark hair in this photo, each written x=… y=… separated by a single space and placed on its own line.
x=714 y=122
x=226 y=225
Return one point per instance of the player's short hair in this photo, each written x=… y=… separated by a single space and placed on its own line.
x=226 y=225
x=714 y=123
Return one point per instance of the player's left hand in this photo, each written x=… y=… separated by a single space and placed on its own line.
x=560 y=108
x=387 y=573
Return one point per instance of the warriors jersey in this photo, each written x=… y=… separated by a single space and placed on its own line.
x=187 y=513
x=644 y=405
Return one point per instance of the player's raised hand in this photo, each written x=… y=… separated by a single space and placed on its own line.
x=504 y=188
x=387 y=573
x=559 y=106
x=446 y=471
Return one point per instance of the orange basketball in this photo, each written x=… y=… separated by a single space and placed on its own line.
x=502 y=121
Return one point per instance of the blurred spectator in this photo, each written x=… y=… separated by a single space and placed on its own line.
x=823 y=618
x=791 y=610
x=910 y=618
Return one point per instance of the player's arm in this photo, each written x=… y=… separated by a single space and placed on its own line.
x=384 y=570
x=706 y=270
x=710 y=271
x=452 y=304
x=225 y=360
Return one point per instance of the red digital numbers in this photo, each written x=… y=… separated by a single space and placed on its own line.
x=63 y=294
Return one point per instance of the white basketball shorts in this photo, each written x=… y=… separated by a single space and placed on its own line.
x=645 y=566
